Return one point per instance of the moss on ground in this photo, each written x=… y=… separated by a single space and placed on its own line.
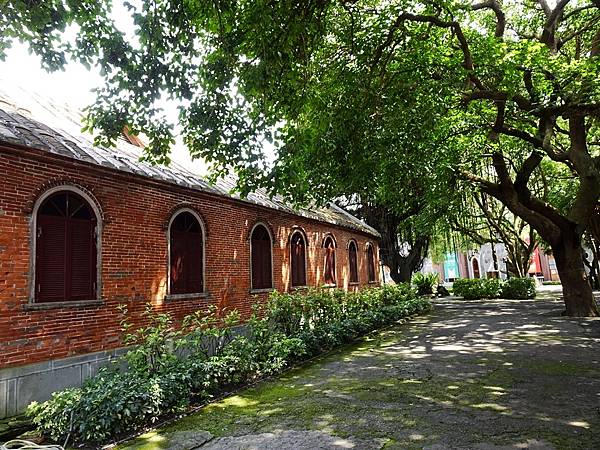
x=350 y=393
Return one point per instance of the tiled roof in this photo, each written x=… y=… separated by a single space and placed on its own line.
x=18 y=127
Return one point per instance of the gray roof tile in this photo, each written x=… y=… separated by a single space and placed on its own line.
x=18 y=128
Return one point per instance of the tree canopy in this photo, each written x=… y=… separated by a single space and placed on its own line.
x=404 y=102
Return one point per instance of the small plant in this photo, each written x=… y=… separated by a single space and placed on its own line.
x=151 y=344
x=425 y=282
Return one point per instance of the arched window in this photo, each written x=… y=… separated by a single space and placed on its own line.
x=65 y=249
x=353 y=261
x=298 y=259
x=260 y=249
x=186 y=254
x=329 y=273
x=371 y=263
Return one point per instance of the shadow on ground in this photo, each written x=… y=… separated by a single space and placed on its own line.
x=474 y=374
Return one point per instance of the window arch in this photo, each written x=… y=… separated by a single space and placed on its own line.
x=186 y=253
x=353 y=261
x=66 y=247
x=261 y=261
x=298 y=259
x=370 y=263
x=329 y=272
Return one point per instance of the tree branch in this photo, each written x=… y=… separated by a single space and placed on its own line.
x=434 y=20
x=494 y=5
x=526 y=170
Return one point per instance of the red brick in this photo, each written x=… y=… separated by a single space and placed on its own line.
x=134 y=243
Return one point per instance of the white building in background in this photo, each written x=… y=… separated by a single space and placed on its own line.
x=480 y=264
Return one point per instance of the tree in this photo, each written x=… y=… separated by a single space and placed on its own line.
x=356 y=91
x=403 y=246
x=483 y=219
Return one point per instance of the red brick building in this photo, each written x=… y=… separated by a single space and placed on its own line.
x=84 y=229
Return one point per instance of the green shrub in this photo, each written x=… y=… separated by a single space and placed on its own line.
x=170 y=365
x=519 y=288
x=109 y=403
x=425 y=282
x=477 y=288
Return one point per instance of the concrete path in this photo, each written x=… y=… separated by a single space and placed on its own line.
x=472 y=375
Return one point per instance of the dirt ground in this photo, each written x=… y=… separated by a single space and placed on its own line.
x=472 y=375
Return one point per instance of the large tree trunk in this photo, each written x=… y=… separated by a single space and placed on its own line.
x=402 y=267
x=401 y=249
x=562 y=232
x=577 y=292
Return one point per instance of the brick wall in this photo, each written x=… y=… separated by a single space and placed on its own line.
x=136 y=212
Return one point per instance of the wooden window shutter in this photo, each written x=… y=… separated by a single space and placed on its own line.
x=51 y=259
x=371 y=263
x=261 y=258
x=352 y=258
x=65 y=249
x=186 y=255
x=329 y=274
x=82 y=255
x=298 y=260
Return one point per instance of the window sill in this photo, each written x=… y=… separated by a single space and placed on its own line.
x=299 y=288
x=58 y=305
x=193 y=295
x=372 y=282
x=353 y=283
x=330 y=286
x=261 y=291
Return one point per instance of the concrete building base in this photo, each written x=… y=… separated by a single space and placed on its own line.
x=19 y=386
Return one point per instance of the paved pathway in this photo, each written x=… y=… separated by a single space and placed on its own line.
x=472 y=375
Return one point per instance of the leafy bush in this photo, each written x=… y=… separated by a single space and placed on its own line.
x=519 y=288
x=476 y=288
x=425 y=282
x=169 y=365
x=108 y=404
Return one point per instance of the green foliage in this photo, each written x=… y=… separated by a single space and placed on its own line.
x=169 y=365
x=407 y=104
x=108 y=404
x=519 y=288
x=425 y=282
x=476 y=288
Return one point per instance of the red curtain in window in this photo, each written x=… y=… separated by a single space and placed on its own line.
x=65 y=249
x=261 y=258
x=186 y=255
x=298 y=260
x=329 y=274
x=353 y=262
x=371 y=263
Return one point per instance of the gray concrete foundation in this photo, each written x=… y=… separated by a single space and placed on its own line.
x=19 y=386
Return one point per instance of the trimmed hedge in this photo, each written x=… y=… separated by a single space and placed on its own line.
x=171 y=365
x=478 y=288
x=519 y=288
